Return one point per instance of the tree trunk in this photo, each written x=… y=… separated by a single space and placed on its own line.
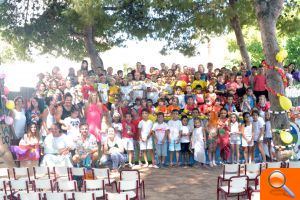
x=236 y=26
x=267 y=13
x=96 y=61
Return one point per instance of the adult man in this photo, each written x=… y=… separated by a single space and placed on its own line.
x=86 y=151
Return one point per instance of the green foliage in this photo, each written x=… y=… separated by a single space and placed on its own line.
x=293 y=49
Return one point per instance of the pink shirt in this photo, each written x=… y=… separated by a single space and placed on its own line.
x=259 y=83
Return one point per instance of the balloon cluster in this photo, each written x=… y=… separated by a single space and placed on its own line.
x=285 y=103
x=9 y=104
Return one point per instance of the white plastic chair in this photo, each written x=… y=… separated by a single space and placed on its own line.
x=229 y=170
x=131 y=188
x=132 y=175
x=55 y=196
x=43 y=185
x=104 y=173
x=116 y=196
x=252 y=170
x=83 y=196
x=67 y=187
x=294 y=164
x=75 y=171
x=3 y=192
x=273 y=165
x=29 y=196
x=61 y=173
x=41 y=172
x=21 y=173
x=256 y=186
x=237 y=186
x=95 y=186
x=18 y=186
x=255 y=195
x=4 y=174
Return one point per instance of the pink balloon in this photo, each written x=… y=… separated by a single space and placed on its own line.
x=9 y=120
x=6 y=91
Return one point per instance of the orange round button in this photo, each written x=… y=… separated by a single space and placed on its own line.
x=277 y=179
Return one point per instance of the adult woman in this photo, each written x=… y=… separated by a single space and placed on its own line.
x=94 y=110
x=48 y=116
x=18 y=127
x=33 y=114
x=30 y=144
x=113 y=150
x=56 y=148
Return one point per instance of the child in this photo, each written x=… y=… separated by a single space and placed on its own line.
x=268 y=134
x=161 y=107
x=199 y=95
x=223 y=131
x=251 y=98
x=230 y=107
x=235 y=139
x=113 y=92
x=175 y=126
x=258 y=129
x=161 y=130
x=180 y=96
x=174 y=106
x=103 y=89
x=71 y=125
x=145 y=127
x=198 y=143
x=211 y=132
x=221 y=87
x=87 y=88
x=185 y=140
x=263 y=105
x=247 y=138
x=211 y=93
x=128 y=132
x=117 y=125
x=189 y=106
x=245 y=105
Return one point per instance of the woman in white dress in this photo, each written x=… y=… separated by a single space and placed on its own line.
x=198 y=142
x=18 y=127
x=57 y=149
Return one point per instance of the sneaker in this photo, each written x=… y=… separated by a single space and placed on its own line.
x=155 y=166
x=211 y=164
x=145 y=165
x=140 y=163
x=130 y=165
x=214 y=163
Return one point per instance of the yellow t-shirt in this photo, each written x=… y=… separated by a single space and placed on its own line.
x=113 y=91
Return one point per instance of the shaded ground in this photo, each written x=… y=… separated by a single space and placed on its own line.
x=181 y=183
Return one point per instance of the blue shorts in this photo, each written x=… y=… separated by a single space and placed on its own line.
x=174 y=147
x=161 y=149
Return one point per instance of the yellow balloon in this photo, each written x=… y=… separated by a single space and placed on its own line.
x=10 y=104
x=286 y=137
x=285 y=103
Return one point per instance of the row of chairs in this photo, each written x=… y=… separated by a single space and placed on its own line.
x=21 y=189
x=239 y=178
x=63 y=196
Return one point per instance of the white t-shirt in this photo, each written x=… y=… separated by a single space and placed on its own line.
x=103 y=90
x=160 y=131
x=185 y=138
x=257 y=127
x=268 y=130
x=175 y=128
x=126 y=91
x=54 y=144
x=146 y=127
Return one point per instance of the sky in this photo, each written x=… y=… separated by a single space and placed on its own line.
x=24 y=74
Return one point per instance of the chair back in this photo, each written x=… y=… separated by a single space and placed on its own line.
x=75 y=171
x=55 y=195
x=273 y=165
x=4 y=174
x=130 y=175
x=128 y=185
x=43 y=185
x=64 y=185
x=29 y=196
x=61 y=173
x=100 y=173
x=41 y=172
x=18 y=185
x=238 y=182
x=232 y=169
x=21 y=173
x=116 y=196
x=93 y=184
x=83 y=196
x=293 y=164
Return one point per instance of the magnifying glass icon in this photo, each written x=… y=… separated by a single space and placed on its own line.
x=277 y=180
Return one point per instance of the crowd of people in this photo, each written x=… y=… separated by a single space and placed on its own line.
x=170 y=115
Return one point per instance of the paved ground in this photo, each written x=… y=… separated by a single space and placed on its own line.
x=181 y=183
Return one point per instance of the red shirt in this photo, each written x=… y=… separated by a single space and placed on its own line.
x=184 y=77
x=136 y=122
x=128 y=127
x=259 y=83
